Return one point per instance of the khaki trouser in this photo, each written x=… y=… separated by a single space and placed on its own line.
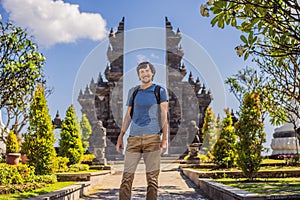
x=148 y=146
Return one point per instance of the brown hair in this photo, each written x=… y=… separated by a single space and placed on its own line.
x=144 y=65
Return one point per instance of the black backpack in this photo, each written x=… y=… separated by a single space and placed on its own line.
x=156 y=92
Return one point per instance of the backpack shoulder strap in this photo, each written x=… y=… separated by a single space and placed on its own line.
x=157 y=93
x=135 y=91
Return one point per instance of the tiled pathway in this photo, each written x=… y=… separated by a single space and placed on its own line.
x=172 y=185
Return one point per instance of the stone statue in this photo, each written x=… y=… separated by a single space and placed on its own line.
x=193 y=133
x=97 y=143
x=193 y=139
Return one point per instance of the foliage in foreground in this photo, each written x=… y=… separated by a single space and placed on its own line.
x=12 y=145
x=87 y=158
x=20 y=72
x=70 y=142
x=209 y=131
x=86 y=131
x=21 y=178
x=251 y=136
x=224 y=152
x=271 y=35
x=36 y=192
x=39 y=140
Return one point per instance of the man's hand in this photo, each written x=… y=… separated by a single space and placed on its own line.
x=163 y=146
x=120 y=144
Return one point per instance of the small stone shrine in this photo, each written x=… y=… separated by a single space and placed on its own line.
x=285 y=142
x=96 y=100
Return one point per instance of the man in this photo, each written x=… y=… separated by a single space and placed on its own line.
x=148 y=131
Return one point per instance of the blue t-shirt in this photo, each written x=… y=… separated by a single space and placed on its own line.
x=145 y=119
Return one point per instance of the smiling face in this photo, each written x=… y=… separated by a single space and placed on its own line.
x=145 y=75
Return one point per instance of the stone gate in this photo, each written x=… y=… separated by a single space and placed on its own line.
x=96 y=100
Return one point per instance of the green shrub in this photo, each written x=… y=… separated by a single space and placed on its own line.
x=86 y=131
x=210 y=131
x=61 y=163
x=48 y=179
x=78 y=167
x=27 y=173
x=87 y=158
x=12 y=145
x=201 y=157
x=39 y=139
x=70 y=144
x=250 y=131
x=9 y=175
x=21 y=178
x=224 y=152
x=12 y=174
x=27 y=187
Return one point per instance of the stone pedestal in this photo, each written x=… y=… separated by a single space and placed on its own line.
x=193 y=153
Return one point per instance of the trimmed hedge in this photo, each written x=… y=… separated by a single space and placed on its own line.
x=21 y=178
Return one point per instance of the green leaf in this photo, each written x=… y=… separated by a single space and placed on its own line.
x=215 y=20
x=244 y=39
x=221 y=22
x=246 y=55
x=250 y=38
x=216 y=10
x=227 y=19
x=233 y=22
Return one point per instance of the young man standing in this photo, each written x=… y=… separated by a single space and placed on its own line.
x=147 y=114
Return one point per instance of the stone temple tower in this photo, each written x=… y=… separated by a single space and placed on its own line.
x=182 y=94
x=97 y=101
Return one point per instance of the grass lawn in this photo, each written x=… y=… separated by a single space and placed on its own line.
x=262 y=186
x=272 y=161
x=37 y=192
x=266 y=186
x=238 y=170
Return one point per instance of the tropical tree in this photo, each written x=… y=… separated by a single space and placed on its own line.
x=70 y=144
x=20 y=72
x=282 y=94
x=271 y=27
x=209 y=131
x=251 y=136
x=39 y=140
x=273 y=94
x=250 y=80
x=271 y=34
x=86 y=131
x=224 y=153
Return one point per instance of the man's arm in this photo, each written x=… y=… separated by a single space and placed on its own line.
x=125 y=125
x=164 y=125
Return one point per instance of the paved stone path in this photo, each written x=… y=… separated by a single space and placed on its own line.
x=172 y=185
